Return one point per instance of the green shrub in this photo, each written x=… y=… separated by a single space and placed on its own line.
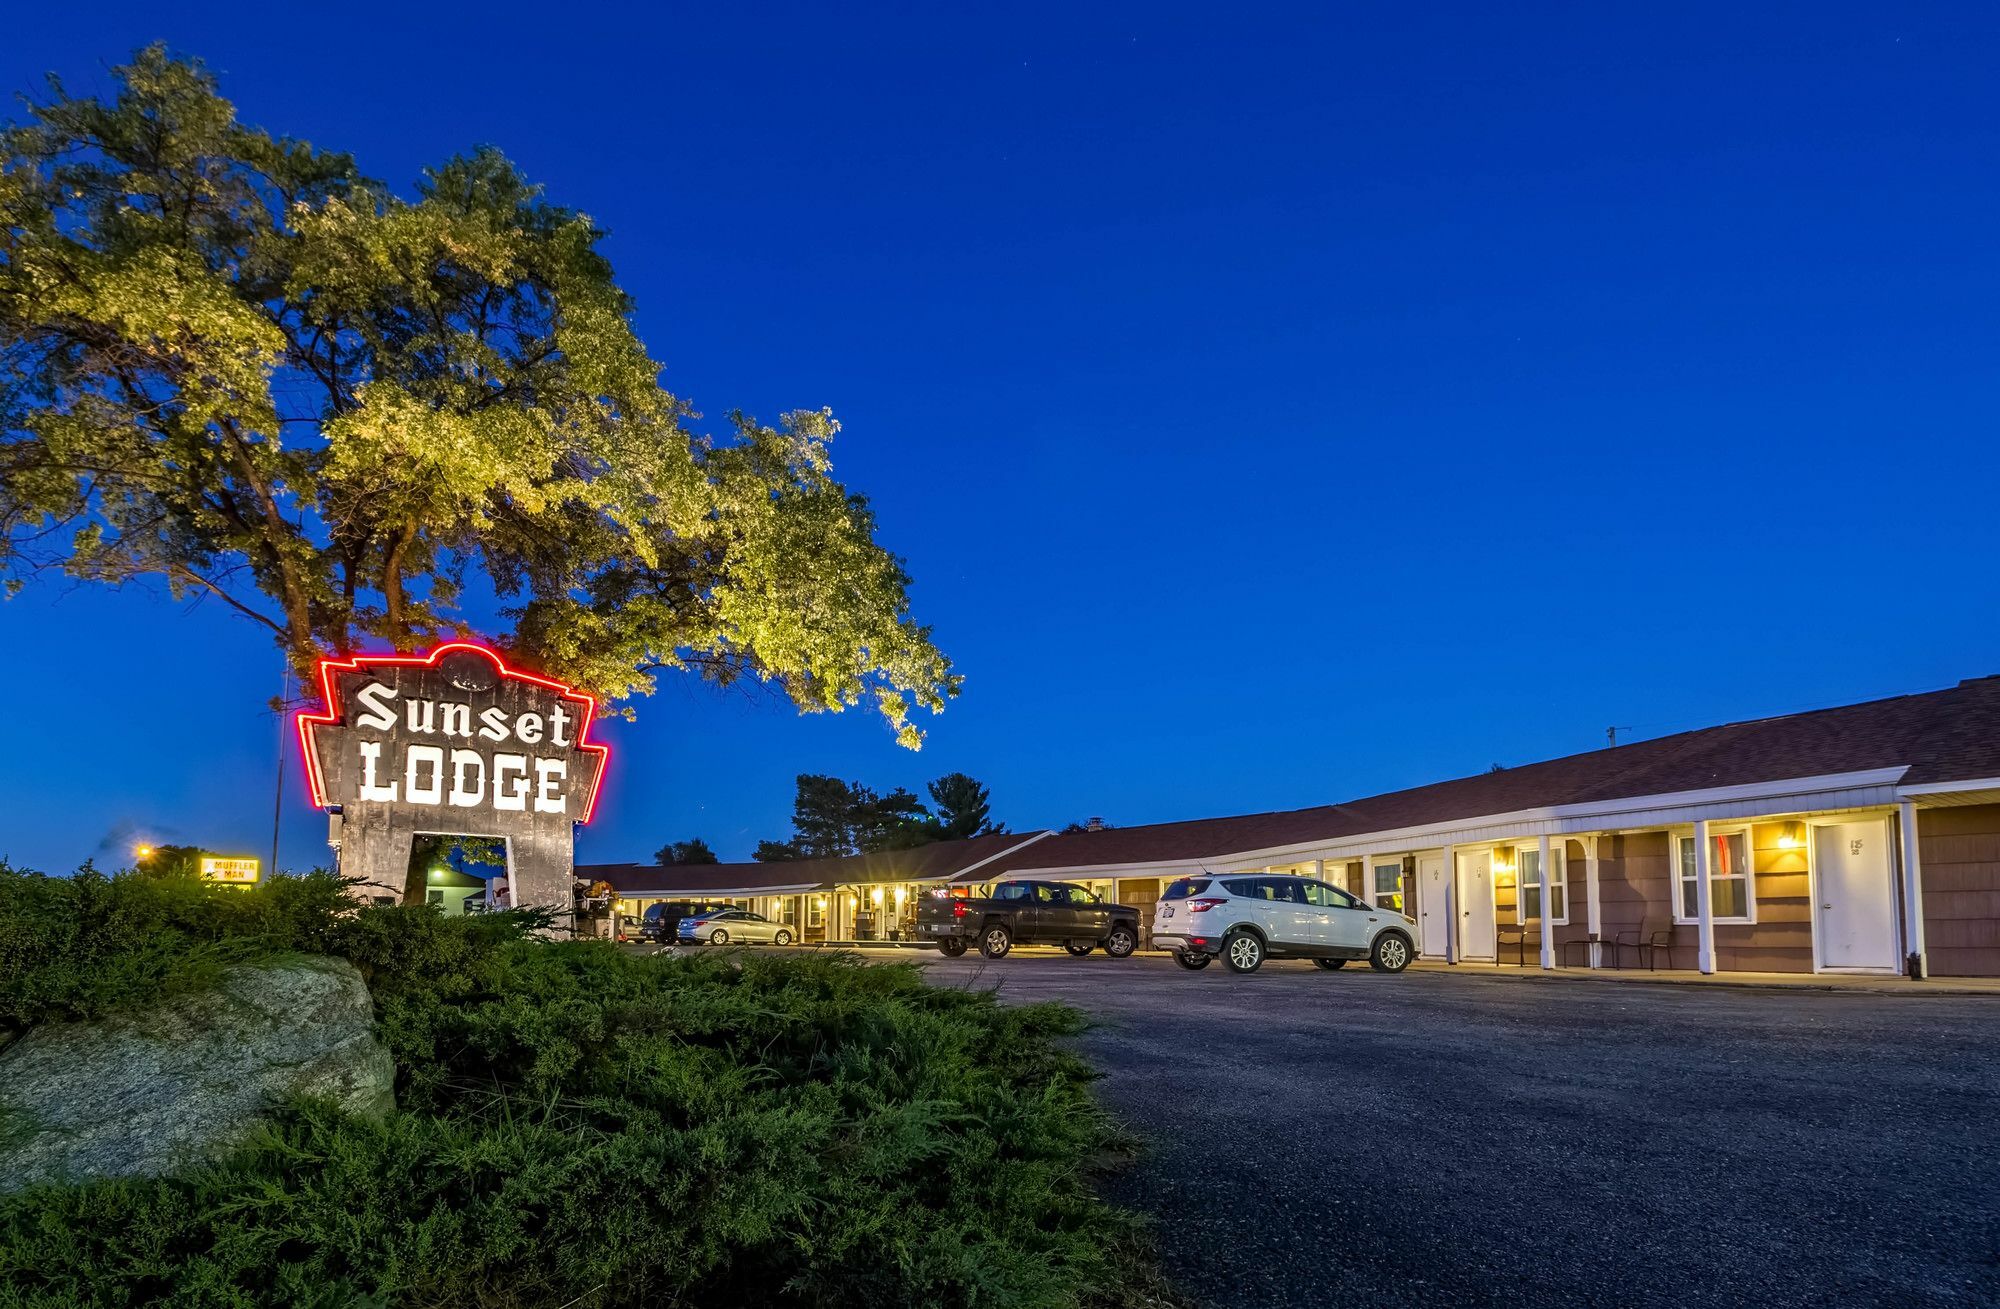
x=584 y=1125
x=75 y=947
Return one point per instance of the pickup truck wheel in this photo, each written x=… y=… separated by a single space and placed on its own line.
x=1331 y=964
x=1191 y=961
x=996 y=941
x=952 y=946
x=1078 y=948
x=1391 y=953
x=1121 y=942
x=1242 y=952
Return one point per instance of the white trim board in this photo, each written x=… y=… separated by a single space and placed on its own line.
x=1947 y=795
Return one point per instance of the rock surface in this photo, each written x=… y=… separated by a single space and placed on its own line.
x=142 y=1093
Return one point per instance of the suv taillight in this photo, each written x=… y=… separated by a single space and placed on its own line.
x=1203 y=906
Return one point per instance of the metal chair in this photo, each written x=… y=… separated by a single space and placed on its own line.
x=1517 y=936
x=1584 y=943
x=1647 y=942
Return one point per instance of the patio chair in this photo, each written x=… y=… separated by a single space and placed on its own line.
x=1520 y=936
x=1583 y=943
x=1647 y=942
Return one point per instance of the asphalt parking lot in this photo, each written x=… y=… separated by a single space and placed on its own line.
x=1348 y=1137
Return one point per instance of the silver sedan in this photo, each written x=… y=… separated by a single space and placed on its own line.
x=734 y=927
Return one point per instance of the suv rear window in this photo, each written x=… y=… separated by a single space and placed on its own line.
x=1184 y=888
x=1267 y=888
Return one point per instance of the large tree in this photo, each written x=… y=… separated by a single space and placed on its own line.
x=962 y=806
x=831 y=816
x=234 y=363
x=694 y=850
x=835 y=817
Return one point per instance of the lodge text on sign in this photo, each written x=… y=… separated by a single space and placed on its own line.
x=470 y=776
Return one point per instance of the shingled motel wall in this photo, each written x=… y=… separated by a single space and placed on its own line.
x=1960 y=851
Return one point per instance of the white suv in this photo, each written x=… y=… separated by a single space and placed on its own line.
x=1246 y=918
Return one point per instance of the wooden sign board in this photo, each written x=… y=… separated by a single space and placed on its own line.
x=453 y=742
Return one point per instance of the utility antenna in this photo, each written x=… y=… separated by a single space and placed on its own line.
x=278 y=799
x=1611 y=733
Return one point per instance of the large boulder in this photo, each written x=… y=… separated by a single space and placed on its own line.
x=147 y=1091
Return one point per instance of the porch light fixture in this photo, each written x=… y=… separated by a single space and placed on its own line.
x=1792 y=835
x=875 y=897
x=899 y=896
x=819 y=901
x=1503 y=861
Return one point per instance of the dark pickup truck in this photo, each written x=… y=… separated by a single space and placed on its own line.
x=1029 y=913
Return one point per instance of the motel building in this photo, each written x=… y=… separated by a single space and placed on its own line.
x=1863 y=839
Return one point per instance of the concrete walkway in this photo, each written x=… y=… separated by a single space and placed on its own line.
x=1872 y=983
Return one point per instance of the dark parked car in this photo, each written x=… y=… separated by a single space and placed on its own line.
x=663 y=918
x=1030 y=913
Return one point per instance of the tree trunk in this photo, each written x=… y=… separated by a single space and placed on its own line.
x=395 y=605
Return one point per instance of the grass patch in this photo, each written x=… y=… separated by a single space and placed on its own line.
x=582 y=1125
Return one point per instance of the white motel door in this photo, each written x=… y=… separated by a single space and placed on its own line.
x=1475 y=900
x=1856 y=895
x=1432 y=925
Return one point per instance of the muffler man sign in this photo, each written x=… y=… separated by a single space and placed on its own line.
x=452 y=742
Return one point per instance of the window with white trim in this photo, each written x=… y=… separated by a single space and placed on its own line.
x=1530 y=906
x=1732 y=892
x=1389 y=886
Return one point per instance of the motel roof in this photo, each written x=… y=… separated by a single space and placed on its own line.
x=940 y=861
x=1935 y=738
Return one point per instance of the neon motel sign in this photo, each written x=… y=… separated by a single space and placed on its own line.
x=453 y=741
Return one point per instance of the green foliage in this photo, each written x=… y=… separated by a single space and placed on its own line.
x=172 y=860
x=237 y=364
x=835 y=817
x=694 y=850
x=963 y=808
x=77 y=947
x=586 y=1126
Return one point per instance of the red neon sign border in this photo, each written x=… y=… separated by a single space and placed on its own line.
x=307 y=720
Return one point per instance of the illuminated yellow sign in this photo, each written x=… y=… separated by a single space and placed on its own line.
x=217 y=868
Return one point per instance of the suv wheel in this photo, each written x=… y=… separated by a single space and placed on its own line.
x=1078 y=948
x=951 y=947
x=1191 y=961
x=1243 y=952
x=995 y=941
x=1391 y=953
x=1331 y=964
x=1121 y=942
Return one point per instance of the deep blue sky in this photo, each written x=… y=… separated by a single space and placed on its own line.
x=1273 y=406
